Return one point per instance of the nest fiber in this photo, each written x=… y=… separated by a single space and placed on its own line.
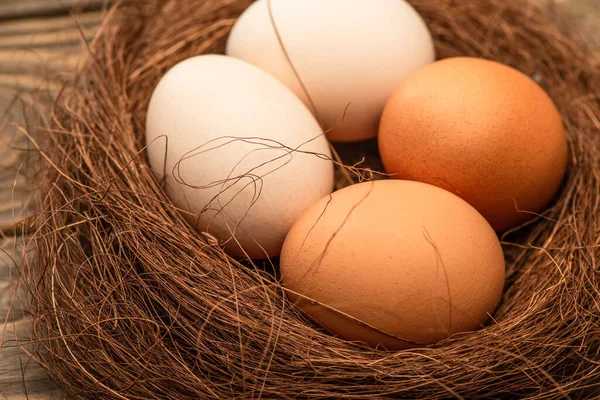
x=130 y=302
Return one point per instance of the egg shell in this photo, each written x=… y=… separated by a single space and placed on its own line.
x=349 y=54
x=244 y=157
x=480 y=129
x=393 y=263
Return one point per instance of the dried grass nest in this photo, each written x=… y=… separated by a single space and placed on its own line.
x=131 y=303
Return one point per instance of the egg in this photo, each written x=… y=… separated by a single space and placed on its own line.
x=242 y=157
x=394 y=264
x=343 y=58
x=481 y=130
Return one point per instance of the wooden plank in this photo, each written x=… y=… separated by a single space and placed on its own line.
x=12 y=9
x=56 y=48
x=27 y=58
x=20 y=376
x=14 y=184
x=68 y=37
x=12 y=84
x=38 y=61
x=45 y=25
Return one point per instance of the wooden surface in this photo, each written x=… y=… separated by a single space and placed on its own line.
x=40 y=41
x=41 y=38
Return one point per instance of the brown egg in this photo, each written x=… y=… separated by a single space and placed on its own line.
x=480 y=129
x=393 y=263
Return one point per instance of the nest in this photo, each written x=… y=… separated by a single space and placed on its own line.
x=130 y=302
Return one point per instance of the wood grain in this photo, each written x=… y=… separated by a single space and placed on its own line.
x=35 y=52
x=40 y=42
x=13 y=9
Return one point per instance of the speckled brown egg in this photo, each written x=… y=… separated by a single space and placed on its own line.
x=393 y=263
x=480 y=129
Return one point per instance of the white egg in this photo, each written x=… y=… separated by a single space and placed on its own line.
x=243 y=157
x=350 y=55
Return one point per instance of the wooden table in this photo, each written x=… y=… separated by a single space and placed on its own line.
x=43 y=38
x=38 y=38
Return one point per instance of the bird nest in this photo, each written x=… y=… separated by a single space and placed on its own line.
x=129 y=301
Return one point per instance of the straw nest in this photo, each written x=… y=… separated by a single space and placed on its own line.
x=130 y=302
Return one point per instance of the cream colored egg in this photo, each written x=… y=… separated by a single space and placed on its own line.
x=350 y=55
x=243 y=157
